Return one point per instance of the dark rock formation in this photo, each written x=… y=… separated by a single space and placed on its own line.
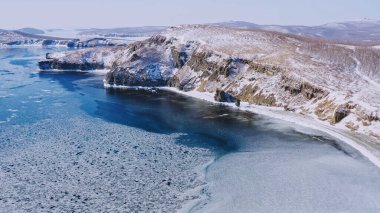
x=269 y=70
x=237 y=102
x=121 y=76
x=157 y=39
x=49 y=42
x=340 y=112
x=374 y=116
x=287 y=108
x=295 y=87
x=72 y=43
x=174 y=82
x=199 y=63
x=14 y=43
x=294 y=90
x=135 y=57
x=179 y=58
x=222 y=96
x=253 y=95
x=55 y=64
x=48 y=56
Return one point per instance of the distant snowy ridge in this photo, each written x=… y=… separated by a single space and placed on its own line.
x=325 y=81
x=146 y=31
x=364 y=30
x=13 y=38
x=32 y=31
x=19 y=38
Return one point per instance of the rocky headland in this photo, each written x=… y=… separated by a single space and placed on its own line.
x=334 y=83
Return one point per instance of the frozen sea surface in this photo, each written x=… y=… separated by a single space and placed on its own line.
x=82 y=165
x=292 y=173
x=69 y=145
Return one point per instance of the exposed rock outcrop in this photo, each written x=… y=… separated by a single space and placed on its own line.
x=179 y=58
x=343 y=111
x=222 y=96
x=122 y=76
x=55 y=64
x=296 y=87
x=340 y=112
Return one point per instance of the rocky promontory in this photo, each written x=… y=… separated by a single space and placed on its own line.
x=324 y=80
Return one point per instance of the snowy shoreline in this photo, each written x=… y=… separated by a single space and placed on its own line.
x=358 y=142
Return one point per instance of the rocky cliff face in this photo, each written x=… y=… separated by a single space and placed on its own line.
x=81 y=60
x=57 y=65
x=262 y=68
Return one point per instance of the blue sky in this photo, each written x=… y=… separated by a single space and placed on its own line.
x=120 y=13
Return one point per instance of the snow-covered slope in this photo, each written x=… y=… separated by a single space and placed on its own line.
x=354 y=31
x=336 y=84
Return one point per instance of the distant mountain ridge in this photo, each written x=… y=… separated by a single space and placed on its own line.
x=19 y=38
x=30 y=30
x=365 y=30
x=144 y=31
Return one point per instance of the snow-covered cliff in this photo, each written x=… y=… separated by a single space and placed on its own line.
x=335 y=83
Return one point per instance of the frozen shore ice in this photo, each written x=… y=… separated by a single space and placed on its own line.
x=82 y=164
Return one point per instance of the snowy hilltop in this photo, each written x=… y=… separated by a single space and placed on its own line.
x=364 y=31
x=337 y=84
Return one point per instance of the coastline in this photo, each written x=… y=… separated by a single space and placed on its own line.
x=197 y=191
x=365 y=146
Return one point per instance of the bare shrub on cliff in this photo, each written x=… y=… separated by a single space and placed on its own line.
x=329 y=53
x=370 y=61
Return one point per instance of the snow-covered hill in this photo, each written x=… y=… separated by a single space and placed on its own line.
x=353 y=31
x=336 y=84
x=31 y=30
